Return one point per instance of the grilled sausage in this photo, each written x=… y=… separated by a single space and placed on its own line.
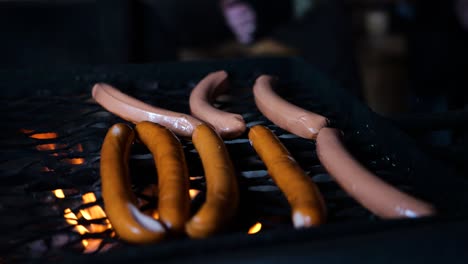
x=307 y=204
x=173 y=180
x=222 y=195
x=228 y=125
x=120 y=203
x=136 y=111
x=284 y=114
x=373 y=193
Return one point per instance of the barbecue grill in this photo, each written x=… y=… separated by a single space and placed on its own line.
x=50 y=199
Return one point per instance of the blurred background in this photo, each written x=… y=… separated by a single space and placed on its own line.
x=398 y=56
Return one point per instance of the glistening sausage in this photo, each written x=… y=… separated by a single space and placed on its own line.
x=129 y=223
x=228 y=125
x=284 y=114
x=173 y=180
x=373 y=193
x=307 y=204
x=222 y=197
x=136 y=111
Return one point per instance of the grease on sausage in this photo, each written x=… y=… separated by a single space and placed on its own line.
x=373 y=193
x=120 y=203
x=222 y=197
x=135 y=111
x=173 y=180
x=307 y=204
x=228 y=125
x=284 y=114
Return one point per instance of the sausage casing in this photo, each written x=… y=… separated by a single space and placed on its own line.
x=289 y=117
x=136 y=111
x=120 y=203
x=369 y=190
x=222 y=195
x=228 y=125
x=307 y=204
x=173 y=180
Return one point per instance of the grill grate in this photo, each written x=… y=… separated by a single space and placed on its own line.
x=50 y=164
x=52 y=143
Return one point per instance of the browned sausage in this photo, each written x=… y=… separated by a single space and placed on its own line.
x=284 y=114
x=307 y=204
x=222 y=195
x=373 y=193
x=136 y=111
x=228 y=125
x=127 y=220
x=173 y=180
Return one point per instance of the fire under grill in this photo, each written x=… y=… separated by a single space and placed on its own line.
x=50 y=197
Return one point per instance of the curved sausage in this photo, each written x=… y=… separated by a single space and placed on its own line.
x=173 y=180
x=120 y=203
x=136 y=111
x=284 y=114
x=369 y=190
x=307 y=204
x=222 y=197
x=228 y=125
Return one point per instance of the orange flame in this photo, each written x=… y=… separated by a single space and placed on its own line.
x=155 y=214
x=59 y=193
x=45 y=147
x=75 y=161
x=88 y=198
x=47 y=135
x=255 y=228
x=91 y=213
x=193 y=193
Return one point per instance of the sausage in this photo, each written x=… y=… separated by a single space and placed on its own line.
x=173 y=180
x=284 y=114
x=136 y=111
x=307 y=204
x=120 y=203
x=369 y=190
x=228 y=125
x=222 y=196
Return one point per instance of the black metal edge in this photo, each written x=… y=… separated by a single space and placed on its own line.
x=385 y=242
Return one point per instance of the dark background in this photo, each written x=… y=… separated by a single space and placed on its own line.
x=421 y=54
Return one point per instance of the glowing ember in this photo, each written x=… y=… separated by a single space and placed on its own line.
x=46 y=169
x=75 y=161
x=91 y=245
x=48 y=135
x=26 y=131
x=45 y=147
x=155 y=215
x=79 y=148
x=59 y=193
x=94 y=212
x=255 y=228
x=193 y=193
x=89 y=198
x=71 y=218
